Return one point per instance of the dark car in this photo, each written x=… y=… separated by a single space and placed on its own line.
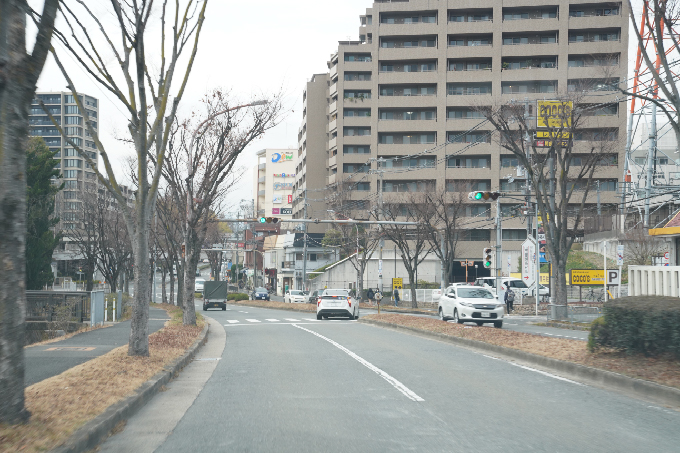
x=260 y=294
x=314 y=297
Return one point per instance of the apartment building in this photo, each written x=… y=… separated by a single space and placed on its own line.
x=405 y=92
x=273 y=181
x=312 y=153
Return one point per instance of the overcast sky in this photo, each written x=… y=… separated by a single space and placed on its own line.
x=248 y=47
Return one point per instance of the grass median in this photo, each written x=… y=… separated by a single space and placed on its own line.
x=62 y=404
x=662 y=370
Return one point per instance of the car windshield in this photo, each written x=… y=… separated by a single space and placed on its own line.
x=336 y=292
x=296 y=293
x=517 y=284
x=260 y=290
x=474 y=293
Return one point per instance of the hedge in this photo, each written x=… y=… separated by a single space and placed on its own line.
x=237 y=296
x=649 y=325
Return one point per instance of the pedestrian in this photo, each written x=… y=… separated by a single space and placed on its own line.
x=370 y=295
x=509 y=300
x=396 y=297
x=378 y=296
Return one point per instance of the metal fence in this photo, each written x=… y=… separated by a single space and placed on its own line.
x=580 y=314
x=46 y=305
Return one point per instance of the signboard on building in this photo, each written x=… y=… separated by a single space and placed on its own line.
x=277 y=199
x=397 y=283
x=594 y=277
x=276 y=211
x=290 y=199
x=282 y=157
x=619 y=255
x=529 y=261
x=284 y=175
x=286 y=211
x=553 y=114
x=283 y=185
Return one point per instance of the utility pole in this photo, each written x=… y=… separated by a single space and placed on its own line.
x=380 y=217
x=599 y=206
x=304 y=247
x=650 y=163
x=499 y=237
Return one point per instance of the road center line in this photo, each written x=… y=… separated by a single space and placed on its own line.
x=535 y=370
x=395 y=383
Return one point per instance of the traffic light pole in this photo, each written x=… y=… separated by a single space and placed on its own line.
x=499 y=237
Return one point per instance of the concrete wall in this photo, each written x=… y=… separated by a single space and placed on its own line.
x=654 y=281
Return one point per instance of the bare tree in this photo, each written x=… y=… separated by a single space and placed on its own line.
x=660 y=22
x=560 y=168
x=215 y=234
x=144 y=89
x=114 y=248
x=445 y=211
x=169 y=240
x=412 y=241
x=84 y=235
x=640 y=247
x=200 y=169
x=19 y=72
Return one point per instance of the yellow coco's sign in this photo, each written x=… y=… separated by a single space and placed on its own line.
x=554 y=114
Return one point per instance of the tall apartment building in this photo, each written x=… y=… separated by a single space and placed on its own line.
x=409 y=85
x=78 y=177
x=312 y=152
x=274 y=178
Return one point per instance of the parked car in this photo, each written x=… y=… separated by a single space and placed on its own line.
x=259 y=294
x=200 y=284
x=313 y=298
x=294 y=296
x=471 y=304
x=515 y=284
x=336 y=302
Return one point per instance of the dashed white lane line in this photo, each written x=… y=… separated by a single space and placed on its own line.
x=272 y=320
x=534 y=370
x=395 y=383
x=242 y=311
x=232 y=321
x=253 y=320
x=293 y=320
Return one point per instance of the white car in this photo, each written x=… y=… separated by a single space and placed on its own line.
x=471 y=304
x=199 y=285
x=294 y=296
x=336 y=302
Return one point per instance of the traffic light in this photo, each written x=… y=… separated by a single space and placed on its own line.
x=483 y=196
x=269 y=220
x=487 y=257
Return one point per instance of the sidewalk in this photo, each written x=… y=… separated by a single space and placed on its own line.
x=52 y=359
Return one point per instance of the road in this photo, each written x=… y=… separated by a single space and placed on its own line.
x=281 y=381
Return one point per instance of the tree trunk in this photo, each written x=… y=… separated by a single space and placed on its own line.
x=113 y=283
x=172 y=286
x=163 y=290
x=193 y=252
x=139 y=326
x=14 y=135
x=89 y=270
x=561 y=290
x=412 y=285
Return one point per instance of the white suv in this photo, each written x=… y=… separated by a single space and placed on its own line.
x=471 y=304
x=336 y=302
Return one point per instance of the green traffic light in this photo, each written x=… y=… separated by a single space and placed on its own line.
x=263 y=220
x=488 y=264
x=478 y=196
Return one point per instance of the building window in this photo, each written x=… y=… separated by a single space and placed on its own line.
x=469 y=162
x=360 y=149
x=71 y=173
x=476 y=235
x=471 y=137
x=363 y=186
x=356 y=131
x=514 y=235
x=73 y=163
x=407 y=139
x=363 y=113
x=408 y=186
x=355 y=168
x=362 y=57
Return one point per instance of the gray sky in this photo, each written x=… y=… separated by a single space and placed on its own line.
x=250 y=48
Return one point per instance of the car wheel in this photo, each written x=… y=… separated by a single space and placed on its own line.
x=456 y=318
x=318 y=317
x=224 y=308
x=479 y=323
x=325 y=317
x=351 y=316
x=441 y=314
x=498 y=324
x=357 y=315
x=204 y=308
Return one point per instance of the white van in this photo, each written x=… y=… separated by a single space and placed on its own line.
x=516 y=284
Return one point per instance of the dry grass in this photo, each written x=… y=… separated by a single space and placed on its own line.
x=62 y=404
x=665 y=370
x=311 y=308
x=391 y=307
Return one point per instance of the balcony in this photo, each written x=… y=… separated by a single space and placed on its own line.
x=334 y=89
x=334 y=72
x=332 y=143
x=333 y=107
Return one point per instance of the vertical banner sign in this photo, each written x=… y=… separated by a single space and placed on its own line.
x=528 y=262
x=541 y=240
x=290 y=199
x=619 y=255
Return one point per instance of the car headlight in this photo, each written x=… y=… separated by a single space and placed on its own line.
x=466 y=304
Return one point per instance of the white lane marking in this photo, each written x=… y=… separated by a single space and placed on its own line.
x=232 y=321
x=294 y=320
x=242 y=311
x=395 y=383
x=279 y=324
x=272 y=320
x=312 y=319
x=253 y=320
x=535 y=370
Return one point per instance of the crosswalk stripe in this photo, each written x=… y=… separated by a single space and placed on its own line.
x=253 y=320
x=289 y=319
x=232 y=321
x=272 y=320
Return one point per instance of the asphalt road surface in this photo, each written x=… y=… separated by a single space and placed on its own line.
x=281 y=381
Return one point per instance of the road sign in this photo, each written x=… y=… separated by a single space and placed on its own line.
x=397 y=283
x=529 y=262
x=594 y=277
x=554 y=114
x=468 y=263
x=619 y=255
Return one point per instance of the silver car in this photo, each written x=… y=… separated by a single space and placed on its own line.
x=471 y=304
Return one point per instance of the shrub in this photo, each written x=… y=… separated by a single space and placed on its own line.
x=237 y=296
x=599 y=336
x=649 y=325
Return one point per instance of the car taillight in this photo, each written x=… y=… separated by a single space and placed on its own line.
x=349 y=301
x=318 y=302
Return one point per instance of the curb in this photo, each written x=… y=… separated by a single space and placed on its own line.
x=650 y=391
x=416 y=312
x=95 y=431
x=562 y=326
